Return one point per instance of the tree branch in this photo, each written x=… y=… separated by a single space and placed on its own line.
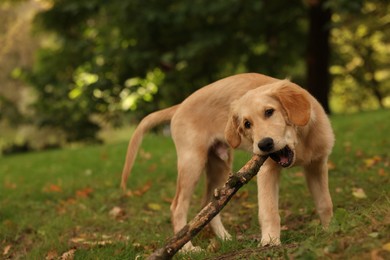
x=217 y=203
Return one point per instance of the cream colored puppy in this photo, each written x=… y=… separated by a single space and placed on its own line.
x=260 y=114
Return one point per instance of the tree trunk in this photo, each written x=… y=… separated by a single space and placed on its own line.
x=318 y=52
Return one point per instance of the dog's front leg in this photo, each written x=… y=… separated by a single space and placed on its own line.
x=268 y=199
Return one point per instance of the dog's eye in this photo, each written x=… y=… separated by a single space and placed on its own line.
x=247 y=124
x=269 y=112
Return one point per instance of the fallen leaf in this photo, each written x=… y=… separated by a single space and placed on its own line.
x=374 y=234
x=93 y=240
x=69 y=255
x=375 y=255
x=284 y=228
x=145 y=155
x=88 y=172
x=331 y=165
x=370 y=162
x=52 y=188
x=382 y=172
x=167 y=200
x=386 y=247
x=242 y=195
x=9 y=185
x=77 y=240
x=347 y=147
x=140 y=191
x=83 y=193
x=249 y=205
x=117 y=212
x=137 y=246
x=359 y=153
x=152 y=167
x=359 y=193
x=104 y=156
x=51 y=255
x=299 y=174
x=154 y=206
x=6 y=249
x=214 y=246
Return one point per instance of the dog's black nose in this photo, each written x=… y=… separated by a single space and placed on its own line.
x=266 y=144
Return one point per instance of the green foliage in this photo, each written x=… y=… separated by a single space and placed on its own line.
x=9 y=112
x=96 y=49
x=54 y=202
x=361 y=67
x=101 y=59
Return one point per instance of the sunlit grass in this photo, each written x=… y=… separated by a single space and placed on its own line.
x=56 y=201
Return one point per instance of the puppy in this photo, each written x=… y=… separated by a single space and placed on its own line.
x=254 y=112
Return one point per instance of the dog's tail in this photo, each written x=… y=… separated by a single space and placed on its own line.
x=146 y=123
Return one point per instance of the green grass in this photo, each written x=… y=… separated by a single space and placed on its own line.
x=58 y=202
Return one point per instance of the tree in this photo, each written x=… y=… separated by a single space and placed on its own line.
x=318 y=51
x=361 y=67
x=17 y=48
x=109 y=56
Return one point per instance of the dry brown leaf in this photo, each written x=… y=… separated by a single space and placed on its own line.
x=242 y=195
x=347 y=147
x=6 y=249
x=152 y=167
x=249 y=205
x=117 y=212
x=375 y=255
x=359 y=153
x=214 y=246
x=9 y=185
x=83 y=193
x=92 y=240
x=284 y=228
x=331 y=165
x=167 y=200
x=52 y=188
x=51 y=255
x=382 y=172
x=386 y=247
x=370 y=162
x=69 y=255
x=145 y=155
x=299 y=174
x=140 y=191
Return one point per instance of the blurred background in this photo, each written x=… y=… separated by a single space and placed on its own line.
x=73 y=69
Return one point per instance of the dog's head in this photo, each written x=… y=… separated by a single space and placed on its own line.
x=265 y=120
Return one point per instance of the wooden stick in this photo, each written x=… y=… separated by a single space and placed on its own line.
x=217 y=203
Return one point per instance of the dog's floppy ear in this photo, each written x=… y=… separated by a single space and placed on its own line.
x=232 y=135
x=296 y=103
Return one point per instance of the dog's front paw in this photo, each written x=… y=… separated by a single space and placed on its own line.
x=189 y=248
x=270 y=241
x=224 y=235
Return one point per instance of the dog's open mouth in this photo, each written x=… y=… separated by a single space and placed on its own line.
x=283 y=157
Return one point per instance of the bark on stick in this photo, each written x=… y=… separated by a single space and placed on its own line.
x=217 y=203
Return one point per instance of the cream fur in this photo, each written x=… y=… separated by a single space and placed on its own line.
x=214 y=116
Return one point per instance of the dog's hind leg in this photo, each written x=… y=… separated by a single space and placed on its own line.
x=191 y=163
x=218 y=167
x=317 y=179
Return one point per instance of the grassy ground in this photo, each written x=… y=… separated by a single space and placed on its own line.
x=67 y=203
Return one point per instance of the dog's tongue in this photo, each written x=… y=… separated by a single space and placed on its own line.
x=283 y=159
